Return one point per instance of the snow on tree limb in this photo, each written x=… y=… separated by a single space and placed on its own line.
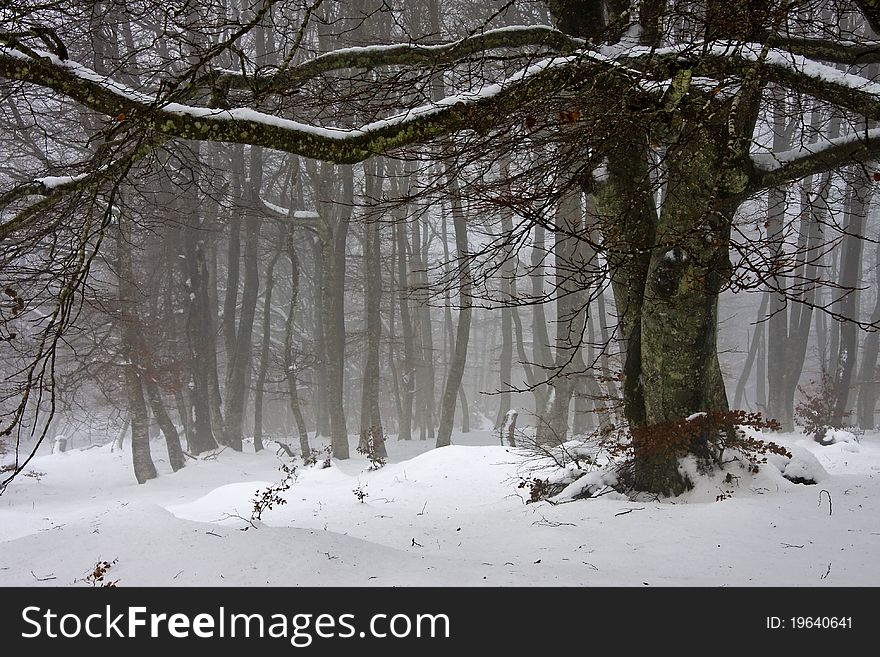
x=400 y=54
x=482 y=109
x=772 y=169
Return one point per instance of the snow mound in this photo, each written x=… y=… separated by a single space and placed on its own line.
x=804 y=467
x=228 y=504
x=835 y=436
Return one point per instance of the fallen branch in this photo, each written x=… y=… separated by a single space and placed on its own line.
x=42 y=579
x=829 y=499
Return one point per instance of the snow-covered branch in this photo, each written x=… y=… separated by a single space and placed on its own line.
x=402 y=54
x=772 y=169
x=485 y=107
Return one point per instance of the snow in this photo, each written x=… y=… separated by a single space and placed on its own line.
x=772 y=161
x=253 y=116
x=627 y=50
x=449 y=516
x=303 y=215
x=804 y=465
x=51 y=182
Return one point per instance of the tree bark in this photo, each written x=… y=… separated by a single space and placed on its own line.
x=868 y=384
x=289 y=365
x=199 y=330
x=144 y=469
x=851 y=264
x=265 y=348
x=462 y=334
x=753 y=352
x=333 y=233
x=507 y=271
x=372 y=436
x=572 y=283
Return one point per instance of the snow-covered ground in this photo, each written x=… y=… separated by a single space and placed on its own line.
x=436 y=517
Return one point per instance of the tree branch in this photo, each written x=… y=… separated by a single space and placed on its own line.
x=772 y=170
x=404 y=54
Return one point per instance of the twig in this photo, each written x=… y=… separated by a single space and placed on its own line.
x=828 y=570
x=213 y=534
x=829 y=499
x=623 y=513
x=213 y=455
x=789 y=545
x=414 y=544
x=543 y=522
x=422 y=512
x=42 y=579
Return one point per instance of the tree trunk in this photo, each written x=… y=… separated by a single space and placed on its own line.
x=372 y=436
x=265 y=347
x=462 y=334
x=507 y=272
x=199 y=330
x=573 y=279
x=333 y=233
x=868 y=388
x=753 y=352
x=541 y=354
x=239 y=360
x=628 y=222
x=322 y=414
x=851 y=264
x=407 y=379
x=687 y=269
x=172 y=438
x=144 y=469
x=289 y=365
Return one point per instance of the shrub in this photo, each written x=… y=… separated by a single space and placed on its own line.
x=815 y=411
x=98 y=576
x=270 y=497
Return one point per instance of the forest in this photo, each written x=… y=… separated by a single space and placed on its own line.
x=626 y=248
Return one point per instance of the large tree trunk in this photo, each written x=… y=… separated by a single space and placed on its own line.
x=628 y=222
x=687 y=269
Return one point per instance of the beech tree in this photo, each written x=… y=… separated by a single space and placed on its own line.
x=636 y=132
